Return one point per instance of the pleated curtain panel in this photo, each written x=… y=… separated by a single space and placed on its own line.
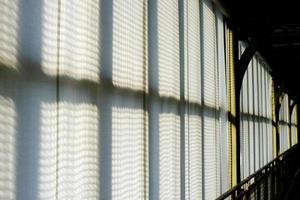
x=284 y=121
x=294 y=125
x=256 y=116
x=103 y=99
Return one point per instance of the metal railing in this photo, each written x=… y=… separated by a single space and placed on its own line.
x=270 y=182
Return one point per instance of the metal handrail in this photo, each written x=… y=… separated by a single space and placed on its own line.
x=239 y=191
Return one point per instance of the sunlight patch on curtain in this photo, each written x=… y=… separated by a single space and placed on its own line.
x=9 y=14
x=130 y=41
x=69 y=155
x=71 y=39
x=168 y=48
x=8 y=164
x=192 y=52
x=193 y=157
x=129 y=153
x=169 y=156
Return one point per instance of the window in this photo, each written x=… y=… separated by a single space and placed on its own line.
x=256 y=117
x=284 y=120
x=294 y=125
x=113 y=100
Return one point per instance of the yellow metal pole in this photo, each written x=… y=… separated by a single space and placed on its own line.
x=231 y=109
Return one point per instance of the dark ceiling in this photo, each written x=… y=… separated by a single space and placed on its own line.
x=275 y=28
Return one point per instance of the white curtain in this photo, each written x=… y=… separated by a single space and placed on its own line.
x=210 y=101
x=193 y=118
x=256 y=117
x=168 y=99
x=294 y=125
x=284 y=120
x=104 y=99
x=222 y=133
x=206 y=134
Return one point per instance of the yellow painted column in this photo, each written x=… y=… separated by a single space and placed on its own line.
x=231 y=108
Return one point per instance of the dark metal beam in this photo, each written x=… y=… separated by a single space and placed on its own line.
x=242 y=64
x=278 y=97
x=240 y=68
